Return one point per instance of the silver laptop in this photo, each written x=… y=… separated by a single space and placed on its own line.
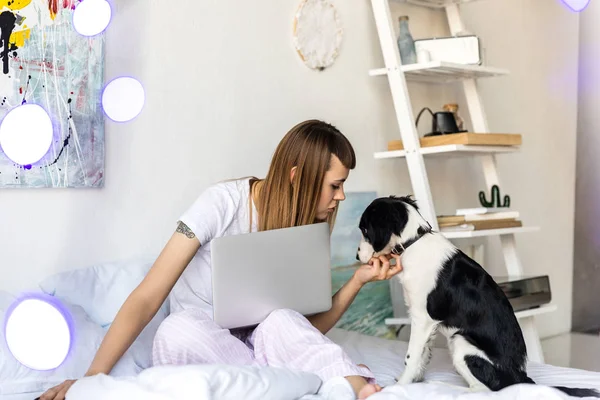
x=254 y=274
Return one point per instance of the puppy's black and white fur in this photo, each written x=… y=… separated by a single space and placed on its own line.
x=448 y=292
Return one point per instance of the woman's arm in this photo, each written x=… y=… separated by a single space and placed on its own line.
x=145 y=301
x=140 y=307
x=378 y=269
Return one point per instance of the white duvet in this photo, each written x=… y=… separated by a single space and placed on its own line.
x=212 y=382
x=384 y=357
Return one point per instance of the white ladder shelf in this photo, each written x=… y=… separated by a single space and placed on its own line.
x=467 y=75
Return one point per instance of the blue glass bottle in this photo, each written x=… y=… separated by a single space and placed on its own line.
x=406 y=43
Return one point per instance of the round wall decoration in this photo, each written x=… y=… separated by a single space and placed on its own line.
x=317 y=33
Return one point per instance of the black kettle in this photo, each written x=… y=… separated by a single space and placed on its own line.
x=443 y=122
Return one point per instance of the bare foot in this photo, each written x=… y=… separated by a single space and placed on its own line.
x=363 y=389
x=368 y=390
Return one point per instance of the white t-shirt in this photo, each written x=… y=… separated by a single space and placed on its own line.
x=221 y=210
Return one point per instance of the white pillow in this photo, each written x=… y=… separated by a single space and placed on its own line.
x=100 y=289
x=16 y=378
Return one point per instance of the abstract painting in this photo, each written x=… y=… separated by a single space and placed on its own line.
x=373 y=304
x=44 y=61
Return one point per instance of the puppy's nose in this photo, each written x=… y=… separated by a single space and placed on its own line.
x=357 y=259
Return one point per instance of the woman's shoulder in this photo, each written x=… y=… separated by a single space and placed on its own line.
x=232 y=190
x=233 y=187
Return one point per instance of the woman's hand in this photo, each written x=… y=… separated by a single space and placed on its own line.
x=378 y=269
x=58 y=392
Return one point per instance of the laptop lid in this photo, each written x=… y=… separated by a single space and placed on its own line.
x=254 y=274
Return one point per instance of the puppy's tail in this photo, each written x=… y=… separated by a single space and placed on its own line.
x=575 y=392
x=578 y=392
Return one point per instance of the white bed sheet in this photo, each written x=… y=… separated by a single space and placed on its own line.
x=24 y=396
x=386 y=359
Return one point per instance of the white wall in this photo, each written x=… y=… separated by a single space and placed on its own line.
x=586 y=276
x=224 y=85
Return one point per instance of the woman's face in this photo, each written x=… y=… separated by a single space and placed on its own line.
x=332 y=191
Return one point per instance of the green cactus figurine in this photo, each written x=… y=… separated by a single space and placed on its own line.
x=495 y=199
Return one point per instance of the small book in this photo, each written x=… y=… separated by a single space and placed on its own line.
x=482 y=225
x=458 y=219
x=480 y=210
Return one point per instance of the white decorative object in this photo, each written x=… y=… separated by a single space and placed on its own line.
x=317 y=33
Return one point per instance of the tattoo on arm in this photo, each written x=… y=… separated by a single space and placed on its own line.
x=184 y=229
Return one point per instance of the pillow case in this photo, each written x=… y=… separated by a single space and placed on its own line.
x=100 y=289
x=16 y=378
x=92 y=296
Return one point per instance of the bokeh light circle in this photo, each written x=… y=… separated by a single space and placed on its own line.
x=26 y=134
x=38 y=333
x=123 y=99
x=91 y=17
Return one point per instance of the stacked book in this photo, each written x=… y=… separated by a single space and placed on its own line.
x=475 y=219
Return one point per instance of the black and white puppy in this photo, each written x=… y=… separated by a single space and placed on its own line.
x=448 y=292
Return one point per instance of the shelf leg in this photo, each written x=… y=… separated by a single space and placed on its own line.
x=403 y=108
x=532 y=340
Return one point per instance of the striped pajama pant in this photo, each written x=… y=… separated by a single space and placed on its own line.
x=284 y=339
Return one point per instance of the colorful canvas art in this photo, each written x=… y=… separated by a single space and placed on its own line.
x=373 y=304
x=44 y=61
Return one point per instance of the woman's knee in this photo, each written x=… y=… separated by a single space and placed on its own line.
x=178 y=334
x=187 y=320
x=282 y=321
x=285 y=315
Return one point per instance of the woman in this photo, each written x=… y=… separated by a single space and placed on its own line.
x=304 y=185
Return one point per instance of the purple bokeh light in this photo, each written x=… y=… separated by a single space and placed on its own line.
x=576 y=5
x=123 y=99
x=38 y=330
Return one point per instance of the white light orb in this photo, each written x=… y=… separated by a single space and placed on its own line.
x=38 y=335
x=26 y=134
x=91 y=17
x=123 y=99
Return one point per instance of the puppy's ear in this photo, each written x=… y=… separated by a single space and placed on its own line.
x=408 y=199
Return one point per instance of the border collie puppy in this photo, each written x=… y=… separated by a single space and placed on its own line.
x=448 y=292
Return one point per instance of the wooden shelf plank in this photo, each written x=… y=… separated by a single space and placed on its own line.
x=545 y=309
x=465 y=138
x=450 y=150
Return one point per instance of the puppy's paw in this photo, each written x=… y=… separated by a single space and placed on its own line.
x=478 y=388
x=404 y=379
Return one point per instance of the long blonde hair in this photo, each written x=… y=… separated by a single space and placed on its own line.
x=308 y=146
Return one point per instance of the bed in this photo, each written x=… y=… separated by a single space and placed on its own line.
x=384 y=357
x=93 y=296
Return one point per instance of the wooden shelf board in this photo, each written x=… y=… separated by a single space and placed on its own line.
x=489 y=232
x=465 y=138
x=545 y=309
x=434 y=3
x=451 y=150
x=442 y=72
